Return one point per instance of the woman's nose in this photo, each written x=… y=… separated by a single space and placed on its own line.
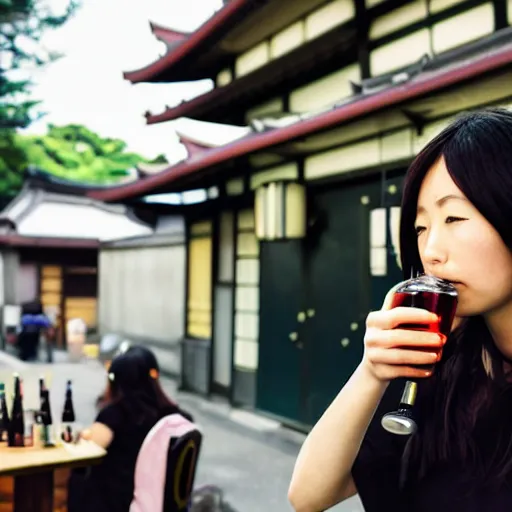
x=434 y=251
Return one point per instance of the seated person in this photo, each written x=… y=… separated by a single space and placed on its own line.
x=134 y=403
x=33 y=323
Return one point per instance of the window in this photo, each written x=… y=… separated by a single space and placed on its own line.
x=199 y=304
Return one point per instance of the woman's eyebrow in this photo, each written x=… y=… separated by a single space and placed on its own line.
x=442 y=200
x=447 y=198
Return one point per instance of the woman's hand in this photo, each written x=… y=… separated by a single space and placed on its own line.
x=98 y=433
x=391 y=352
x=86 y=434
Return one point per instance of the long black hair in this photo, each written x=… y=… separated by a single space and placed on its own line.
x=134 y=384
x=465 y=396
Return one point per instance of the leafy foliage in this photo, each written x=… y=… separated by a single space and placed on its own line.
x=22 y=24
x=72 y=152
x=10 y=156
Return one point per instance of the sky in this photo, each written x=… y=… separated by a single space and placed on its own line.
x=105 y=38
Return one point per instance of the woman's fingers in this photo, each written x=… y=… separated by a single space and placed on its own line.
x=403 y=357
x=389 y=319
x=386 y=372
x=402 y=341
x=403 y=338
x=388 y=300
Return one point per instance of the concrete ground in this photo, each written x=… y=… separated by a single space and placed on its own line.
x=249 y=457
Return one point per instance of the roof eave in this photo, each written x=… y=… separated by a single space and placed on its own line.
x=378 y=101
x=184 y=109
x=206 y=30
x=15 y=240
x=168 y=35
x=261 y=79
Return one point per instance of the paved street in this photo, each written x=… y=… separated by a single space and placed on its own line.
x=247 y=456
x=253 y=464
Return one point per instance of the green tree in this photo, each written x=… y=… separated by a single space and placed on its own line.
x=12 y=159
x=71 y=152
x=22 y=24
x=75 y=153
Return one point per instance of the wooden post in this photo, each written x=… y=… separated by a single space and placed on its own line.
x=34 y=493
x=60 y=492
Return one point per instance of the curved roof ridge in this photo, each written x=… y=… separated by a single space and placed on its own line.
x=169 y=36
x=448 y=75
x=206 y=31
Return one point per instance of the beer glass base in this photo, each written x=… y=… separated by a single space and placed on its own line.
x=398 y=423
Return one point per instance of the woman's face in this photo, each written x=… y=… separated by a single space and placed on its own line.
x=457 y=243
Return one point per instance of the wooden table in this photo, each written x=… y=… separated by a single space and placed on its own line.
x=27 y=475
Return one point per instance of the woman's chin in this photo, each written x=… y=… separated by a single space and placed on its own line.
x=465 y=310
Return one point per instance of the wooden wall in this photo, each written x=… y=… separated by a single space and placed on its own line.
x=60 y=492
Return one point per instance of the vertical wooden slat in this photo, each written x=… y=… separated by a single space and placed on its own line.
x=51 y=286
x=34 y=493
x=60 y=486
x=60 y=498
x=6 y=493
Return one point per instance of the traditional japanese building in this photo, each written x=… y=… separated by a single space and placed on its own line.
x=49 y=239
x=296 y=239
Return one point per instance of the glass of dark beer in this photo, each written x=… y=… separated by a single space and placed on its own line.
x=439 y=297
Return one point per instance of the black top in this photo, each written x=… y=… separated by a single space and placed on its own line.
x=448 y=487
x=110 y=485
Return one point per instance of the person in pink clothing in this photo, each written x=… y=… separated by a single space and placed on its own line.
x=134 y=404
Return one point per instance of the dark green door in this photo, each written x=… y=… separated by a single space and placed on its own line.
x=321 y=290
x=340 y=286
x=279 y=389
x=338 y=291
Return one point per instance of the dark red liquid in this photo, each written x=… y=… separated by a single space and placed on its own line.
x=443 y=305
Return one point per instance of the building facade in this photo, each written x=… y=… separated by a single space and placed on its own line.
x=142 y=290
x=300 y=239
x=49 y=239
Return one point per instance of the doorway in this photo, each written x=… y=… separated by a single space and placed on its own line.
x=315 y=296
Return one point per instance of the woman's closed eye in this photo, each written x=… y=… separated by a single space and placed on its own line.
x=449 y=220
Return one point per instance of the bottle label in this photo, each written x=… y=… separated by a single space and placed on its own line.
x=19 y=439
x=67 y=432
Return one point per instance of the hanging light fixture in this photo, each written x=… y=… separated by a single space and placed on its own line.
x=280 y=210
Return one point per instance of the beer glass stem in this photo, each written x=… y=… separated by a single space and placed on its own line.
x=402 y=421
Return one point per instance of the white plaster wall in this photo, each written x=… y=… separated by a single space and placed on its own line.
x=142 y=294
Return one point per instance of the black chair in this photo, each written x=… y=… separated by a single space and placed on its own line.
x=182 y=457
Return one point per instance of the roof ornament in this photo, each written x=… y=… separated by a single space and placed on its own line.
x=264 y=124
x=399 y=76
x=170 y=37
